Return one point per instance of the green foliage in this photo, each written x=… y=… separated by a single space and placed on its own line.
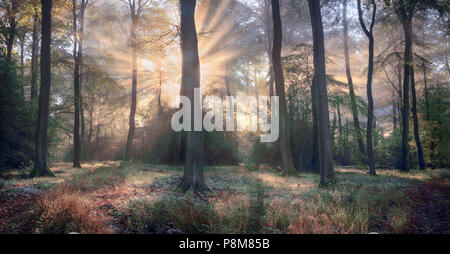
x=16 y=119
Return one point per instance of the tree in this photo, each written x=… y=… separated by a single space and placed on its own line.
x=320 y=86
x=34 y=52
x=369 y=34
x=285 y=147
x=193 y=177
x=78 y=59
x=136 y=9
x=40 y=161
x=350 y=80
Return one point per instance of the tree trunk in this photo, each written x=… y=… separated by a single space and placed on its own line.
x=34 y=49
x=407 y=29
x=40 y=160
x=370 y=122
x=76 y=90
x=285 y=147
x=315 y=150
x=325 y=156
x=80 y=61
x=416 y=120
x=22 y=65
x=129 y=148
x=193 y=177
x=340 y=131
x=427 y=107
x=350 y=82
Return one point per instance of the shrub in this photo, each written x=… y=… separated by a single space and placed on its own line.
x=62 y=211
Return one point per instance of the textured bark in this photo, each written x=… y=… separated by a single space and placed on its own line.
x=34 y=50
x=315 y=150
x=40 y=160
x=135 y=13
x=350 y=81
x=370 y=122
x=76 y=90
x=427 y=107
x=285 y=147
x=83 y=7
x=407 y=27
x=325 y=156
x=416 y=121
x=193 y=178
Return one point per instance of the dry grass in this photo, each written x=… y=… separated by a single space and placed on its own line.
x=142 y=198
x=63 y=211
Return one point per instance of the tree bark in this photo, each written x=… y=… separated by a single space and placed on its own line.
x=193 y=177
x=427 y=107
x=407 y=29
x=416 y=121
x=325 y=156
x=76 y=90
x=370 y=122
x=131 y=130
x=350 y=82
x=40 y=160
x=285 y=147
x=34 y=50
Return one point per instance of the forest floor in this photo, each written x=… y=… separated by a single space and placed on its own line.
x=117 y=197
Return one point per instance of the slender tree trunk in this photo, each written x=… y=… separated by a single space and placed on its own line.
x=315 y=150
x=325 y=156
x=427 y=107
x=340 y=131
x=11 y=34
x=34 y=49
x=400 y=94
x=416 y=120
x=394 y=114
x=40 y=160
x=285 y=147
x=407 y=29
x=370 y=122
x=22 y=65
x=193 y=177
x=80 y=61
x=129 y=148
x=76 y=90
x=268 y=33
x=350 y=82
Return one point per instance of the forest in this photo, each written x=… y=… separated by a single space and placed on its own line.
x=224 y=116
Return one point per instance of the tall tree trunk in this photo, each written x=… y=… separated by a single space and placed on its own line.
x=340 y=131
x=427 y=107
x=350 y=82
x=22 y=65
x=193 y=177
x=285 y=147
x=76 y=91
x=370 y=122
x=34 y=50
x=129 y=148
x=407 y=29
x=40 y=160
x=416 y=120
x=11 y=32
x=80 y=61
x=325 y=156
x=315 y=165
x=268 y=34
